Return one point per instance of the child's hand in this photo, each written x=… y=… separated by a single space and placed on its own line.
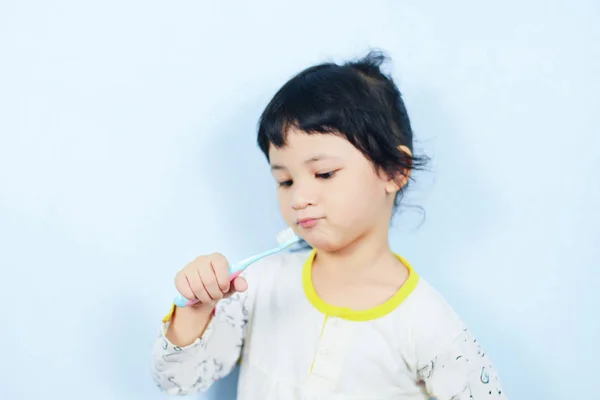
x=207 y=279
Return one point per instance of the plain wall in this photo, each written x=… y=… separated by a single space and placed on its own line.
x=127 y=148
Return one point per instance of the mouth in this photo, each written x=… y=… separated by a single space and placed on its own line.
x=307 y=222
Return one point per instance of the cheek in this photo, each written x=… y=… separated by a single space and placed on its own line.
x=358 y=205
x=359 y=192
x=284 y=200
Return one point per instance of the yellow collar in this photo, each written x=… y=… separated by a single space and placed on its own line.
x=357 y=315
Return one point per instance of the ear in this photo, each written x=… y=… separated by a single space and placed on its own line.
x=400 y=179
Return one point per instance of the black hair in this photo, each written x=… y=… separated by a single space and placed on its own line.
x=355 y=100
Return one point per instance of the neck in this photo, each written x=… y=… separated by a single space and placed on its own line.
x=359 y=257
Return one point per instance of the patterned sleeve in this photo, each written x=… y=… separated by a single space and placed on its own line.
x=194 y=368
x=462 y=372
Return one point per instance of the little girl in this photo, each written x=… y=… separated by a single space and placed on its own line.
x=349 y=318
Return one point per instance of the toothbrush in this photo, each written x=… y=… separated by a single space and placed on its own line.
x=285 y=239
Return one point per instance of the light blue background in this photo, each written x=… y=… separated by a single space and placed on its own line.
x=127 y=135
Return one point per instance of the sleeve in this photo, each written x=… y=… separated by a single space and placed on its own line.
x=194 y=368
x=461 y=371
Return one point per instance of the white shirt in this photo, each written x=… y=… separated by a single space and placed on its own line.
x=295 y=346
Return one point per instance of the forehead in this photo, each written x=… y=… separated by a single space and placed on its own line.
x=301 y=146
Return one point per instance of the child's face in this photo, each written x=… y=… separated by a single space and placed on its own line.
x=329 y=193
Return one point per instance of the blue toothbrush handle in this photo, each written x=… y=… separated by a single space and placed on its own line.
x=234 y=271
x=181 y=301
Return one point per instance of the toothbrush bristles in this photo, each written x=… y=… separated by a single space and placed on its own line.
x=286 y=235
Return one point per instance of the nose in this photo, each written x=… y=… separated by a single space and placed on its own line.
x=303 y=196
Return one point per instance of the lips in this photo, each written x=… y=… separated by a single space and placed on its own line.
x=307 y=222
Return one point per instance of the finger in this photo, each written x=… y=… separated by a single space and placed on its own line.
x=222 y=274
x=207 y=275
x=197 y=287
x=183 y=287
x=240 y=284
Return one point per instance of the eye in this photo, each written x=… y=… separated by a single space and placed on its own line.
x=287 y=183
x=326 y=175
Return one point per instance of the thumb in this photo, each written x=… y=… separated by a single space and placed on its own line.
x=240 y=284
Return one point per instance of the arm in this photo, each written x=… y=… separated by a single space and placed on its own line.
x=461 y=371
x=189 y=358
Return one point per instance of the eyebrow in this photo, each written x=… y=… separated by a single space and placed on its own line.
x=318 y=157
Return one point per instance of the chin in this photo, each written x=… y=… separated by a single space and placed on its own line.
x=323 y=244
